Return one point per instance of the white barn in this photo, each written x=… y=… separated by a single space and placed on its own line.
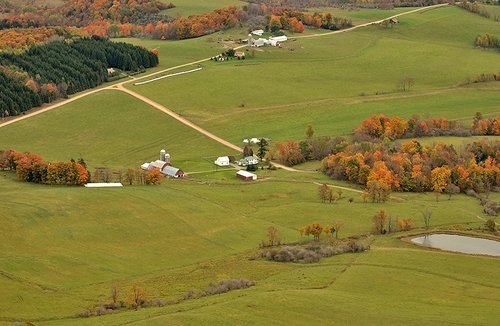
x=222 y=161
x=277 y=40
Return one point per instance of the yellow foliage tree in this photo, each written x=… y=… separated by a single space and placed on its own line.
x=337 y=225
x=440 y=177
x=137 y=296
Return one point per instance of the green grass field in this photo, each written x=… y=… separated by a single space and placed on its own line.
x=63 y=248
x=73 y=247
x=187 y=8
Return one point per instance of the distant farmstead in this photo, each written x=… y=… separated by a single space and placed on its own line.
x=163 y=164
x=245 y=175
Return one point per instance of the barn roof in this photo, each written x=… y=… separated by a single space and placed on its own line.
x=170 y=170
x=245 y=173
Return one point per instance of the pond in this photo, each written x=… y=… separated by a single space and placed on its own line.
x=460 y=243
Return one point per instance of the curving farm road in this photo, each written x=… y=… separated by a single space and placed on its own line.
x=174 y=115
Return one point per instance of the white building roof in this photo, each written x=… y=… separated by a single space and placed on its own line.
x=222 y=161
x=156 y=164
x=252 y=140
x=170 y=170
x=102 y=184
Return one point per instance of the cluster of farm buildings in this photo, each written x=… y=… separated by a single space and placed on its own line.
x=163 y=164
x=272 y=41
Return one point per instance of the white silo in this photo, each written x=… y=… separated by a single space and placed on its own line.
x=162 y=155
x=250 y=40
x=167 y=158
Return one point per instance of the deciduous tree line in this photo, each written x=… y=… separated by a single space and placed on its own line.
x=78 y=13
x=138 y=18
x=316 y=229
x=386 y=223
x=57 y=69
x=412 y=167
x=294 y=20
x=474 y=7
x=129 y=176
x=32 y=168
x=384 y=4
x=382 y=126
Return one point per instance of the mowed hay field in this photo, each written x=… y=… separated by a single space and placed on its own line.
x=64 y=248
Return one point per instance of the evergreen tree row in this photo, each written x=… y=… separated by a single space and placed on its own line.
x=16 y=98
x=62 y=68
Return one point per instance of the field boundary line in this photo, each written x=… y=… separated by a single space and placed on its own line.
x=166 y=76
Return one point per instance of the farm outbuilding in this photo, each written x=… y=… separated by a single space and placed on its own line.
x=239 y=54
x=172 y=172
x=260 y=42
x=222 y=161
x=245 y=175
x=276 y=41
x=103 y=184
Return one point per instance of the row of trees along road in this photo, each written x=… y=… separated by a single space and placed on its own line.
x=57 y=69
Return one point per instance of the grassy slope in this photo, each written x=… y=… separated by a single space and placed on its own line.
x=187 y=8
x=330 y=72
x=62 y=248
x=113 y=129
x=81 y=241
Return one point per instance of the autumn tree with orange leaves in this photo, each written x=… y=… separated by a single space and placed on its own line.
x=153 y=176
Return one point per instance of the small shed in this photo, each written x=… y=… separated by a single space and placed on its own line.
x=245 y=175
x=239 y=54
x=222 y=161
x=258 y=32
x=172 y=172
